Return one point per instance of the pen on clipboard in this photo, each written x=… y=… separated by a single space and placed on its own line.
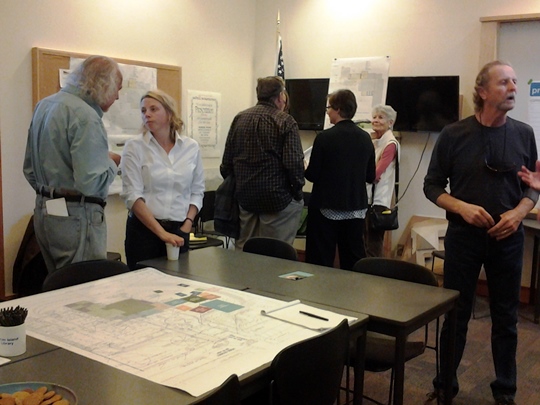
x=313 y=315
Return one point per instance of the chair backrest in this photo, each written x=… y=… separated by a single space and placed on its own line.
x=270 y=247
x=307 y=197
x=227 y=393
x=207 y=210
x=309 y=372
x=397 y=269
x=83 y=272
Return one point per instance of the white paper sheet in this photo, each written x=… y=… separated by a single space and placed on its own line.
x=57 y=207
x=306 y=316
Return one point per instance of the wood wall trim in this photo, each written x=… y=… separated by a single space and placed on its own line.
x=511 y=18
x=489 y=33
x=2 y=255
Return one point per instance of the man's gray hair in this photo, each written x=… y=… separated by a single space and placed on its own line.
x=98 y=77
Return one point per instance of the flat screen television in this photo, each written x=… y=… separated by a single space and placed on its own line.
x=423 y=103
x=307 y=102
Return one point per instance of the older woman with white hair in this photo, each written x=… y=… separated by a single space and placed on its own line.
x=386 y=158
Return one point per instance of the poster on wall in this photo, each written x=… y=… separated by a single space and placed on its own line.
x=203 y=121
x=366 y=77
x=534 y=109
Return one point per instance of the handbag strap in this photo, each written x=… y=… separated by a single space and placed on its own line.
x=396 y=185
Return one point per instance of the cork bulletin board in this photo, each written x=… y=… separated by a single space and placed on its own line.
x=46 y=64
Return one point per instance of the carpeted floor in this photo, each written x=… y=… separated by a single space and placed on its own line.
x=476 y=369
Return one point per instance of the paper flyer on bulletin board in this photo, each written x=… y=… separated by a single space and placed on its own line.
x=366 y=77
x=534 y=109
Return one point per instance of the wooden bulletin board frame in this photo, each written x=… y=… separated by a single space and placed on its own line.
x=46 y=64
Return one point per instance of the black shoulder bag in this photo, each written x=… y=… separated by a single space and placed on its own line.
x=383 y=218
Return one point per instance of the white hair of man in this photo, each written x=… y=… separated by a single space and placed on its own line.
x=98 y=77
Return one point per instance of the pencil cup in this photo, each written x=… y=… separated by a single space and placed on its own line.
x=172 y=252
x=12 y=340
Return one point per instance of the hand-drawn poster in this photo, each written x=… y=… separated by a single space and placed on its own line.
x=367 y=78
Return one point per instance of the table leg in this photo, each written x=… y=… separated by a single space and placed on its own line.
x=399 y=368
x=450 y=349
x=359 y=367
x=534 y=269
x=535 y=280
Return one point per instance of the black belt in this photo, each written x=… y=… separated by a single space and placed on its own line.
x=73 y=197
x=169 y=225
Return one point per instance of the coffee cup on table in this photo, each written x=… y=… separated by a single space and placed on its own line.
x=172 y=251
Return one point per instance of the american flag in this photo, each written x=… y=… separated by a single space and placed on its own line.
x=280 y=66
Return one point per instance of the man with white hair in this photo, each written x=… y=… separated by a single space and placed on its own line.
x=68 y=164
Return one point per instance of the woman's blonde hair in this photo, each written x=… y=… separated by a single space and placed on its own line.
x=175 y=122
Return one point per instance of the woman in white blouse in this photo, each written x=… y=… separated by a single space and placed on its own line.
x=386 y=158
x=163 y=182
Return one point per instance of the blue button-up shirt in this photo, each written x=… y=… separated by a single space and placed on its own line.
x=67 y=146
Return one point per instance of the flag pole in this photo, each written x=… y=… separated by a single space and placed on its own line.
x=280 y=67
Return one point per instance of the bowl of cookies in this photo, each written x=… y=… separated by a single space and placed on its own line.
x=36 y=393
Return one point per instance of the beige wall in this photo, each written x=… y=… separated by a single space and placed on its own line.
x=212 y=40
x=223 y=46
x=422 y=37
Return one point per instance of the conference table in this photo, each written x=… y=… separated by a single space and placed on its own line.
x=92 y=381
x=101 y=381
x=395 y=308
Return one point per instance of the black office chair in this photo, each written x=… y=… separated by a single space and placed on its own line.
x=302 y=227
x=227 y=393
x=380 y=349
x=206 y=214
x=309 y=372
x=270 y=247
x=83 y=272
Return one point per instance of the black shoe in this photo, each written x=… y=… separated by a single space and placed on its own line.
x=438 y=393
x=505 y=401
x=434 y=395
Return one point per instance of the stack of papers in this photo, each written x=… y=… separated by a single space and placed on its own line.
x=193 y=240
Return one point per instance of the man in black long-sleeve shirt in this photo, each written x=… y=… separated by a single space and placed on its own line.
x=478 y=158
